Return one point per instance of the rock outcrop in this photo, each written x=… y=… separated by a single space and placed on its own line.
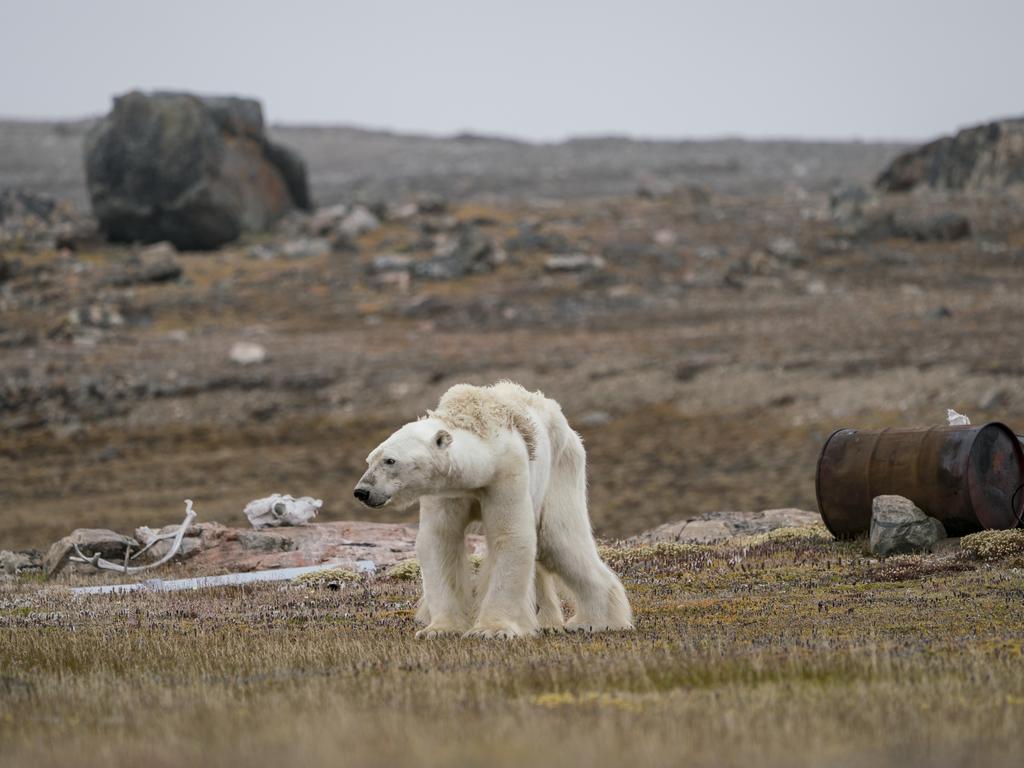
x=984 y=157
x=195 y=171
x=719 y=526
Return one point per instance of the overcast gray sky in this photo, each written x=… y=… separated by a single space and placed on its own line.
x=901 y=69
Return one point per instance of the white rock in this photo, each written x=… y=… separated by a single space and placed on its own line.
x=248 y=353
x=573 y=262
x=358 y=222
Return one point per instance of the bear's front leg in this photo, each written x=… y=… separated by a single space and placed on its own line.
x=444 y=566
x=508 y=608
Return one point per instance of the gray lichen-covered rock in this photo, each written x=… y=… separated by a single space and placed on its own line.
x=989 y=156
x=899 y=526
x=196 y=171
x=110 y=545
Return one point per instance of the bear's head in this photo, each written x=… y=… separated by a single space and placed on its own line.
x=411 y=463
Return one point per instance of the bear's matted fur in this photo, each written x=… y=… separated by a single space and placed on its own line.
x=508 y=458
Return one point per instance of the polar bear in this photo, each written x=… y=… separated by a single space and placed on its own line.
x=508 y=458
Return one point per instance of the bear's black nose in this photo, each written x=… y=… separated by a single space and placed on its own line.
x=362 y=494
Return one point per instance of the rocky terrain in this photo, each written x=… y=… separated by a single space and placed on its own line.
x=705 y=322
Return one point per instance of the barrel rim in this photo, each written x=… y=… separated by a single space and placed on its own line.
x=817 y=480
x=1018 y=451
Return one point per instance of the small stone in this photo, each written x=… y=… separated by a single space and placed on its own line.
x=389 y=262
x=783 y=247
x=325 y=220
x=573 y=262
x=665 y=238
x=306 y=248
x=358 y=222
x=898 y=526
x=247 y=353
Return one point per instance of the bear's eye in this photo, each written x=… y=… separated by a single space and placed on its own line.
x=389 y=462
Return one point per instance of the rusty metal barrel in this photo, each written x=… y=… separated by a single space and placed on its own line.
x=968 y=477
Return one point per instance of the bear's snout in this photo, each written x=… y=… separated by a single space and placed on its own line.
x=370 y=498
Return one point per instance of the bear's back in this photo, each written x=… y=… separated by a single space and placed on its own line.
x=485 y=411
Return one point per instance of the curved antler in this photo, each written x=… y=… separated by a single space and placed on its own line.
x=105 y=565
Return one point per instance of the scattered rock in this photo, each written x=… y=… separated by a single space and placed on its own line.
x=13 y=563
x=247 y=353
x=389 y=262
x=358 y=222
x=573 y=262
x=847 y=202
x=156 y=263
x=989 y=156
x=325 y=221
x=898 y=526
x=666 y=238
x=530 y=238
x=306 y=248
x=109 y=544
x=197 y=171
x=785 y=248
x=468 y=252
x=95 y=316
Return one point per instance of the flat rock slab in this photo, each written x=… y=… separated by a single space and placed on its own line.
x=719 y=526
x=344 y=543
x=210 y=548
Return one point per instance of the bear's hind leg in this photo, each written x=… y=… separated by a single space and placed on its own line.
x=567 y=548
x=549 y=604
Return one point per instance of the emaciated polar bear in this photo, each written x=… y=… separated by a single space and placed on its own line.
x=508 y=458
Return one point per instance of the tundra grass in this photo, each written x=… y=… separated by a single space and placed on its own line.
x=777 y=651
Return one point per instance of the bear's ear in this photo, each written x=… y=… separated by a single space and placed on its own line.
x=443 y=438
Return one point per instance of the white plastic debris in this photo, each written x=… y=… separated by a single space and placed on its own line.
x=227 y=580
x=277 y=510
x=956 y=419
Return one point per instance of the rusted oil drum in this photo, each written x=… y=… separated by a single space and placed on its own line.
x=967 y=477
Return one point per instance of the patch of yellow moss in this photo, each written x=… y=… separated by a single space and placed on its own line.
x=994 y=545
x=805 y=534
x=587 y=698
x=331 y=575
x=406 y=570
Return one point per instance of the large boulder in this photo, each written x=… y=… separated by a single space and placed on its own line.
x=898 y=526
x=985 y=157
x=196 y=171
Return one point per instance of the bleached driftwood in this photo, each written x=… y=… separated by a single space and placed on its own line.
x=278 y=510
x=105 y=565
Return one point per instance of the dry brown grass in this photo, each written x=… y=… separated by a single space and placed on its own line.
x=792 y=652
